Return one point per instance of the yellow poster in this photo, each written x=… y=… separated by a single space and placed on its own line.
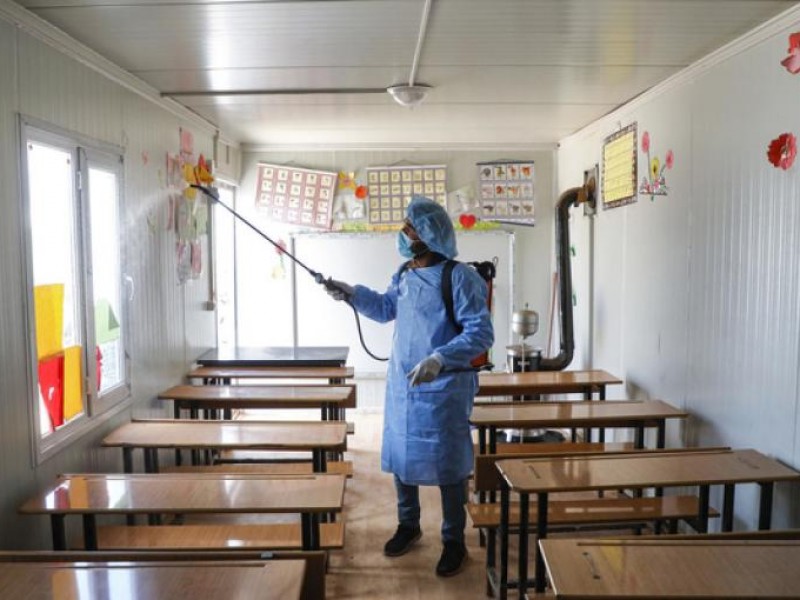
x=48 y=301
x=73 y=388
x=619 y=168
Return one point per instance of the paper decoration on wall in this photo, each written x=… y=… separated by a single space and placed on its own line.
x=467 y=220
x=619 y=167
x=295 y=195
x=792 y=62
x=73 y=386
x=654 y=183
x=507 y=190
x=347 y=180
x=48 y=304
x=391 y=189
x=51 y=388
x=362 y=192
x=782 y=151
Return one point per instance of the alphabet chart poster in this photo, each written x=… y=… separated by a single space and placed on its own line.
x=507 y=191
x=295 y=195
x=391 y=190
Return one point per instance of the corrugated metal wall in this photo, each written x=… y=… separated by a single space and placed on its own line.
x=168 y=324
x=696 y=293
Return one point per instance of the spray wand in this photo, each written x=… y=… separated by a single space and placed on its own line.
x=318 y=277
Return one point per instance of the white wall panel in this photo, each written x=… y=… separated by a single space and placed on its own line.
x=166 y=327
x=696 y=292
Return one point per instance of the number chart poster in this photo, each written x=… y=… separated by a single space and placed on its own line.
x=619 y=167
x=506 y=190
x=295 y=195
x=391 y=190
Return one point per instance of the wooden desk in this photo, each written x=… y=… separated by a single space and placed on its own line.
x=624 y=413
x=315 y=436
x=546 y=382
x=152 y=581
x=331 y=399
x=224 y=375
x=703 y=469
x=594 y=569
x=100 y=494
x=276 y=356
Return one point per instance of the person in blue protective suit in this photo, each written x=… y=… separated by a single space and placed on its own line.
x=430 y=384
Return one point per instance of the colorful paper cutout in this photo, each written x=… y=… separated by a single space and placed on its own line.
x=51 y=387
x=654 y=184
x=782 y=151
x=73 y=382
x=792 y=62
x=48 y=301
x=106 y=324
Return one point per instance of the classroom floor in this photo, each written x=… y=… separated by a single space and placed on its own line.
x=361 y=571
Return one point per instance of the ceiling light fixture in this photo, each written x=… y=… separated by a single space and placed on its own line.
x=412 y=95
x=409 y=96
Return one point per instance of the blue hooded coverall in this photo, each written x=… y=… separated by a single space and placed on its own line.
x=426 y=431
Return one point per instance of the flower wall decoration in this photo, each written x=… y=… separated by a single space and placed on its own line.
x=655 y=184
x=792 y=62
x=782 y=151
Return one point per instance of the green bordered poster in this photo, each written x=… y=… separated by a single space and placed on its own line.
x=391 y=189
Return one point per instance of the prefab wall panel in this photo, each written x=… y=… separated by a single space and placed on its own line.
x=696 y=292
x=46 y=85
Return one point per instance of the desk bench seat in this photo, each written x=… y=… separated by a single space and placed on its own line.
x=268 y=536
x=595 y=511
x=334 y=467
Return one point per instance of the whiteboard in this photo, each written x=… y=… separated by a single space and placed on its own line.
x=370 y=259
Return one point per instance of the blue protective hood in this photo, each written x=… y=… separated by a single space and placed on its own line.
x=433 y=226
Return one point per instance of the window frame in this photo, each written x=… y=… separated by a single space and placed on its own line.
x=85 y=153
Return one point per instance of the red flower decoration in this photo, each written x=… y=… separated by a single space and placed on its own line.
x=280 y=248
x=467 y=220
x=782 y=151
x=646 y=142
x=669 y=159
x=361 y=192
x=792 y=62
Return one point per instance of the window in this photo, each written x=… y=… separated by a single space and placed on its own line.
x=75 y=261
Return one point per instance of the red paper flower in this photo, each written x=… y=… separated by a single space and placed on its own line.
x=467 y=220
x=669 y=159
x=280 y=248
x=782 y=151
x=792 y=62
x=646 y=142
x=361 y=192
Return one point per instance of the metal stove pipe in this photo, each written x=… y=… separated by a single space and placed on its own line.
x=573 y=196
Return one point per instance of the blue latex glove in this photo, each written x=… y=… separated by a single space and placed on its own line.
x=338 y=290
x=426 y=370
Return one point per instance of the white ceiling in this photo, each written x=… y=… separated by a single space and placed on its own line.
x=503 y=71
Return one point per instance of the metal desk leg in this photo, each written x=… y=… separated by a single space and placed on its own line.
x=702 y=518
x=127 y=460
x=59 y=534
x=765 y=506
x=309 y=524
x=89 y=532
x=522 y=567
x=727 y=507
x=504 y=526
x=638 y=440
x=541 y=534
